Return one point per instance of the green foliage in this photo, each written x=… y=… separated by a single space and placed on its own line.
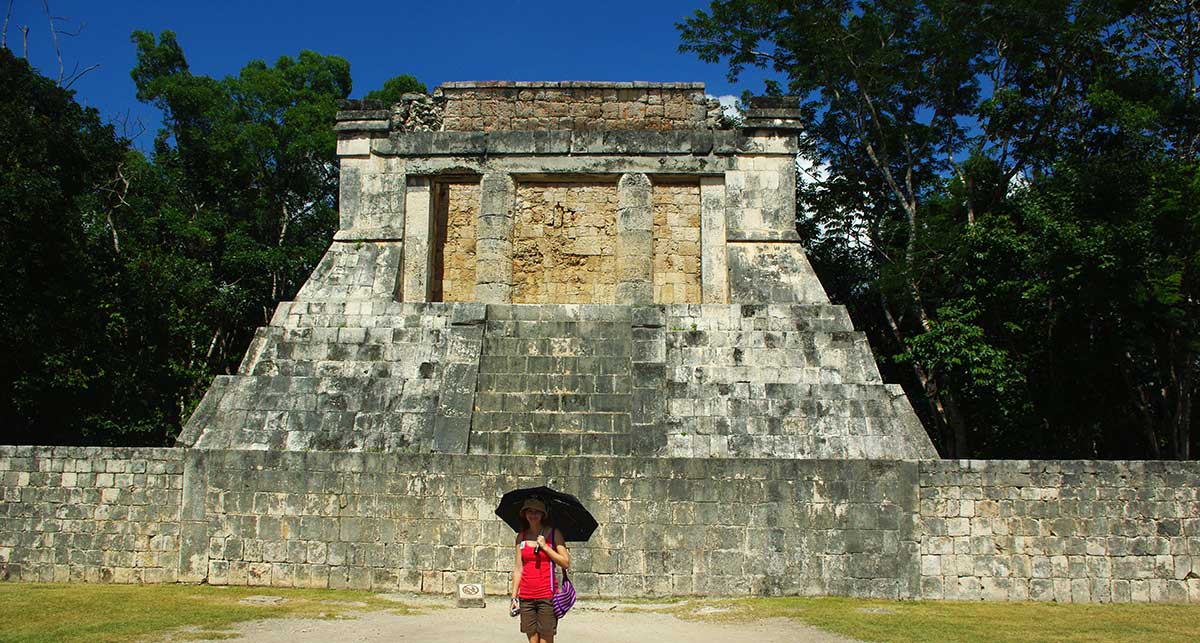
x=131 y=281
x=59 y=320
x=394 y=88
x=1006 y=202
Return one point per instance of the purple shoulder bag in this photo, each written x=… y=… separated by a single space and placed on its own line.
x=564 y=594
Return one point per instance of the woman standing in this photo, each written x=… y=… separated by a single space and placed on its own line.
x=538 y=546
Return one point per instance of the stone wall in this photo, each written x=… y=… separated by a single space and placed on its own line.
x=90 y=514
x=1067 y=531
x=454 y=259
x=574 y=105
x=676 y=208
x=992 y=530
x=564 y=243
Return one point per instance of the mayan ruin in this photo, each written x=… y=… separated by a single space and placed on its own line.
x=603 y=283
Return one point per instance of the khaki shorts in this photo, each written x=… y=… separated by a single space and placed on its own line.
x=537 y=615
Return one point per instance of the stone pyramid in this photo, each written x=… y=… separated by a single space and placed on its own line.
x=563 y=268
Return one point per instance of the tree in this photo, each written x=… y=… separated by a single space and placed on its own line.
x=252 y=166
x=395 y=88
x=931 y=116
x=61 y=319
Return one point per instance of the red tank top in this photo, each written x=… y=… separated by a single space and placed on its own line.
x=536 y=570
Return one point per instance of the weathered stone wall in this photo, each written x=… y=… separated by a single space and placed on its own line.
x=992 y=530
x=679 y=380
x=504 y=105
x=676 y=259
x=454 y=260
x=564 y=243
x=425 y=523
x=1067 y=531
x=90 y=514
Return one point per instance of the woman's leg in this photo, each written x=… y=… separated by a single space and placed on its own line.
x=534 y=638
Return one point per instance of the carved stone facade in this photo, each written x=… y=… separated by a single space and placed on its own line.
x=563 y=268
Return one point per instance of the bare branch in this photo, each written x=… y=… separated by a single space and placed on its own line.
x=25 y=42
x=54 y=38
x=77 y=73
x=4 y=33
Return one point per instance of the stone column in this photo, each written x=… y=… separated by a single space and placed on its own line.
x=635 y=242
x=493 y=239
x=418 y=237
x=714 y=264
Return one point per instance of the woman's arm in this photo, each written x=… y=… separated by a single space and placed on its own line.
x=559 y=553
x=516 y=575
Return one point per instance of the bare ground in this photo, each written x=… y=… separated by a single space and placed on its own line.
x=594 y=622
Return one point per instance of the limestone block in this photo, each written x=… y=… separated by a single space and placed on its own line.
x=417 y=240
x=762 y=273
x=564 y=243
x=634 y=244
x=354 y=270
x=494 y=249
x=354 y=146
x=714 y=264
x=761 y=196
x=676 y=242
x=455 y=254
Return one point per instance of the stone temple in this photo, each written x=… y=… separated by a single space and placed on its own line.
x=563 y=268
x=597 y=287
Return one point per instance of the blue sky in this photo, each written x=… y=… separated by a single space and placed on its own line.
x=434 y=41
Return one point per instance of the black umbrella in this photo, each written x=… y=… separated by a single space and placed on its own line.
x=565 y=511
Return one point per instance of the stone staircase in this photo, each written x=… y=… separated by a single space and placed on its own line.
x=714 y=380
x=554 y=380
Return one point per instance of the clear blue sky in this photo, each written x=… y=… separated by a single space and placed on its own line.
x=434 y=41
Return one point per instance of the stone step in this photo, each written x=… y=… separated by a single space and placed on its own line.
x=386 y=313
x=518 y=443
x=782 y=392
x=548 y=422
x=691 y=445
x=520 y=365
x=329 y=394
x=554 y=383
x=558 y=346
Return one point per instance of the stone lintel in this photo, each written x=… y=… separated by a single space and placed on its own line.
x=361 y=126
x=564 y=84
x=547 y=167
x=692 y=142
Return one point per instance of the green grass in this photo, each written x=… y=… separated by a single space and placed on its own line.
x=48 y=613
x=963 y=622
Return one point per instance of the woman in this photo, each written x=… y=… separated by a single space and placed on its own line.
x=538 y=545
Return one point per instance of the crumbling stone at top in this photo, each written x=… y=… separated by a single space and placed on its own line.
x=576 y=105
x=491 y=106
x=775 y=112
x=414 y=113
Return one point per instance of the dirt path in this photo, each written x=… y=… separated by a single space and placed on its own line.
x=591 y=622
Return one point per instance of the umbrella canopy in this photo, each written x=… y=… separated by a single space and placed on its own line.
x=565 y=511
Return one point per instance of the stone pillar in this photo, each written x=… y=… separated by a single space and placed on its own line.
x=418 y=237
x=635 y=242
x=714 y=264
x=493 y=239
